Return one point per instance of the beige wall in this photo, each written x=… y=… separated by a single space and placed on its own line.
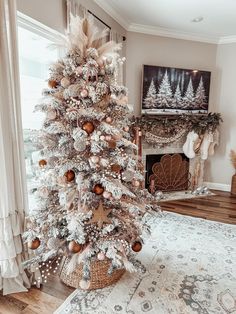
x=49 y=12
x=220 y=169
x=154 y=50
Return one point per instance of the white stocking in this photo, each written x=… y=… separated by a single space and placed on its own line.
x=215 y=142
x=188 y=147
x=207 y=140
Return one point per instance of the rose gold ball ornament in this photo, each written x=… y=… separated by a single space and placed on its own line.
x=108 y=137
x=70 y=175
x=42 y=163
x=65 y=82
x=106 y=194
x=108 y=120
x=74 y=247
x=136 y=183
x=88 y=127
x=102 y=137
x=101 y=256
x=84 y=285
x=79 y=70
x=137 y=246
x=84 y=93
x=126 y=129
x=34 y=244
x=52 y=83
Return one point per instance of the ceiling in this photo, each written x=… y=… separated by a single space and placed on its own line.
x=173 y=18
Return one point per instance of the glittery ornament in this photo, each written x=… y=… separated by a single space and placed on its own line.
x=84 y=93
x=52 y=83
x=65 y=82
x=137 y=246
x=108 y=120
x=74 y=247
x=98 y=189
x=43 y=192
x=115 y=168
x=100 y=216
x=88 y=127
x=34 y=244
x=70 y=175
x=101 y=256
x=127 y=175
x=94 y=159
x=104 y=162
x=51 y=114
x=80 y=146
x=53 y=243
x=112 y=144
x=84 y=285
x=42 y=162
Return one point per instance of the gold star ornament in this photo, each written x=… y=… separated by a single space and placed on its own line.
x=100 y=216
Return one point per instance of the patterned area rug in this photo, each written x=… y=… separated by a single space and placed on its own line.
x=190 y=268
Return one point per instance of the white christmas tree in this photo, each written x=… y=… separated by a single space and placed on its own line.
x=189 y=99
x=177 y=100
x=151 y=97
x=88 y=178
x=200 y=97
x=164 y=96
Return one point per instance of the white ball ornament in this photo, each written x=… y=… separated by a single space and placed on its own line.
x=109 y=60
x=106 y=194
x=95 y=159
x=102 y=137
x=136 y=183
x=101 y=256
x=84 y=93
x=65 y=82
x=84 y=285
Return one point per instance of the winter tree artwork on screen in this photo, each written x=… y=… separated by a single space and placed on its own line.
x=175 y=91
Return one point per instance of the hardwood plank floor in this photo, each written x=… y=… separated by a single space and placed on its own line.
x=220 y=207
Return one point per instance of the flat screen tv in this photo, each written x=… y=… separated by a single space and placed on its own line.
x=174 y=91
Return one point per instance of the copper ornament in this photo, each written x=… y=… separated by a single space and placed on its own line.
x=70 y=175
x=42 y=162
x=88 y=127
x=116 y=168
x=137 y=246
x=33 y=245
x=52 y=83
x=74 y=247
x=98 y=189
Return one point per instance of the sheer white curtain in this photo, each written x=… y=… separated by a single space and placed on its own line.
x=12 y=185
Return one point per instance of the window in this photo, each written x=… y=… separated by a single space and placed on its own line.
x=35 y=56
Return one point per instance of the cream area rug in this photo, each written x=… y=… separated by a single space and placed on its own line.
x=189 y=268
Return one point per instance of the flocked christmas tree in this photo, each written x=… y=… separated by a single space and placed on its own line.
x=189 y=98
x=89 y=201
x=200 y=97
x=164 y=95
x=150 y=100
x=177 y=99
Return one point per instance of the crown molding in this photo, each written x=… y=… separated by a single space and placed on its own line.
x=227 y=40
x=161 y=31
x=103 y=4
x=166 y=32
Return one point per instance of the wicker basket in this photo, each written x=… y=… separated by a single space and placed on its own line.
x=233 y=185
x=99 y=276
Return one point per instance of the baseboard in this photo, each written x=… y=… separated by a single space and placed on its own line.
x=218 y=186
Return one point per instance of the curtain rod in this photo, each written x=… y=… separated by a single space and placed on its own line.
x=124 y=38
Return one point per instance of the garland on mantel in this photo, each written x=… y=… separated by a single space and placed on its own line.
x=161 y=131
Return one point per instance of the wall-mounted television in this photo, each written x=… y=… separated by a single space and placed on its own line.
x=175 y=91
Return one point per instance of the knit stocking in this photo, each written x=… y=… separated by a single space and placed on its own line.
x=215 y=142
x=188 y=147
x=207 y=140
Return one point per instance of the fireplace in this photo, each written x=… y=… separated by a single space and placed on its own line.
x=167 y=172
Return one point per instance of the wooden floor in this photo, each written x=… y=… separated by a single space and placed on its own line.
x=220 y=207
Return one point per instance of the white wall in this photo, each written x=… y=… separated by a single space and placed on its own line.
x=51 y=13
x=220 y=169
